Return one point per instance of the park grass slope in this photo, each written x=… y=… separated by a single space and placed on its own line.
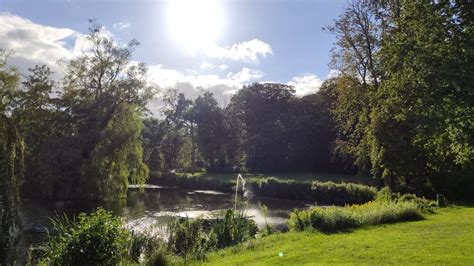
x=443 y=238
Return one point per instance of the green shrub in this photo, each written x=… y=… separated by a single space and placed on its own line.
x=186 y=237
x=158 y=258
x=233 y=229
x=423 y=204
x=143 y=244
x=95 y=239
x=328 y=219
x=189 y=237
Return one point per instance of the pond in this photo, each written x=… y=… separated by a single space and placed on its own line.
x=142 y=210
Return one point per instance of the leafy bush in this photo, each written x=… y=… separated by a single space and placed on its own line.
x=95 y=239
x=231 y=230
x=186 y=237
x=340 y=218
x=142 y=244
x=423 y=204
x=194 y=237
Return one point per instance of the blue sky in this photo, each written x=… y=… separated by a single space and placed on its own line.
x=257 y=40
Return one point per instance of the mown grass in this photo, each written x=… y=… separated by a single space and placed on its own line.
x=444 y=238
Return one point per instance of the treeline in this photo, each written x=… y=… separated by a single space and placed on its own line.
x=265 y=128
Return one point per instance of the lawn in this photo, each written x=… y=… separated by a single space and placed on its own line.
x=443 y=238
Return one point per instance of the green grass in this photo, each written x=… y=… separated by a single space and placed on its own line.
x=443 y=238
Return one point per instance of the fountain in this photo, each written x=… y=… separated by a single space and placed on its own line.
x=242 y=180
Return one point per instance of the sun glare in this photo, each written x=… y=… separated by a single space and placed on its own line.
x=195 y=24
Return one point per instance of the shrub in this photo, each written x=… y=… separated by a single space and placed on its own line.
x=423 y=204
x=142 y=244
x=231 y=230
x=95 y=239
x=340 y=218
x=158 y=258
x=186 y=237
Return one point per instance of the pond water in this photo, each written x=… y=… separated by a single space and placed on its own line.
x=143 y=210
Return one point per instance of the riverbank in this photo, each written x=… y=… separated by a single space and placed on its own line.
x=443 y=238
x=320 y=189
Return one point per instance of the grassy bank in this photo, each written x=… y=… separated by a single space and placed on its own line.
x=315 y=189
x=443 y=238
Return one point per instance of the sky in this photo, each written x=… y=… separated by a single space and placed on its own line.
x=219 y=45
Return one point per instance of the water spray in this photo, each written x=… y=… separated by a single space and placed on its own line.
x=241 y=179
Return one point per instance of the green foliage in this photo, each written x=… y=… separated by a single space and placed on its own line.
x=95 y=239
x=423 y=204
x=12 y=147
x=231 y=230
x=321 y=192
x=192 y=238
x=187 y=238
x=329 y=219
x=117 y=159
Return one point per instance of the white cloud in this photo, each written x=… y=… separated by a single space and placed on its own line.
x=249 y=51
x=206 y=65
x=188 y=83
x=246 y=75
x=306 y=84
x=121 y=25
x=33 y=43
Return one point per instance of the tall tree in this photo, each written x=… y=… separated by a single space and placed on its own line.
x=100 y=85
x=11 y=156
x=261 y=111
x=423 y=121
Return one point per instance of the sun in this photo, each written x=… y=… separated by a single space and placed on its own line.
x=195 y=24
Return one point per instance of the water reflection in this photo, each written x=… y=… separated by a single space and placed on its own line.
x=143 y=209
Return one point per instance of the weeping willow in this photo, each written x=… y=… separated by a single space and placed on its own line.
x=117 y=160
x=11 y=172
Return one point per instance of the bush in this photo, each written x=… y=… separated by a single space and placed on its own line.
x=423 y=204
x=95 y=239
x=186 y=237
x=233 y=229
x=194 y=237
x=341 y=218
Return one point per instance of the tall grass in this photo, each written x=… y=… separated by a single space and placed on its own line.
x=332 y=219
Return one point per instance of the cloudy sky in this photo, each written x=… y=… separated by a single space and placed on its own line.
x=219 y=45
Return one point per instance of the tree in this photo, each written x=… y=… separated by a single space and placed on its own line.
x=11 y=156
x=261 y=111
x=422 y=123
x=212 y=133
x=179 y=111
x=101 y=85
